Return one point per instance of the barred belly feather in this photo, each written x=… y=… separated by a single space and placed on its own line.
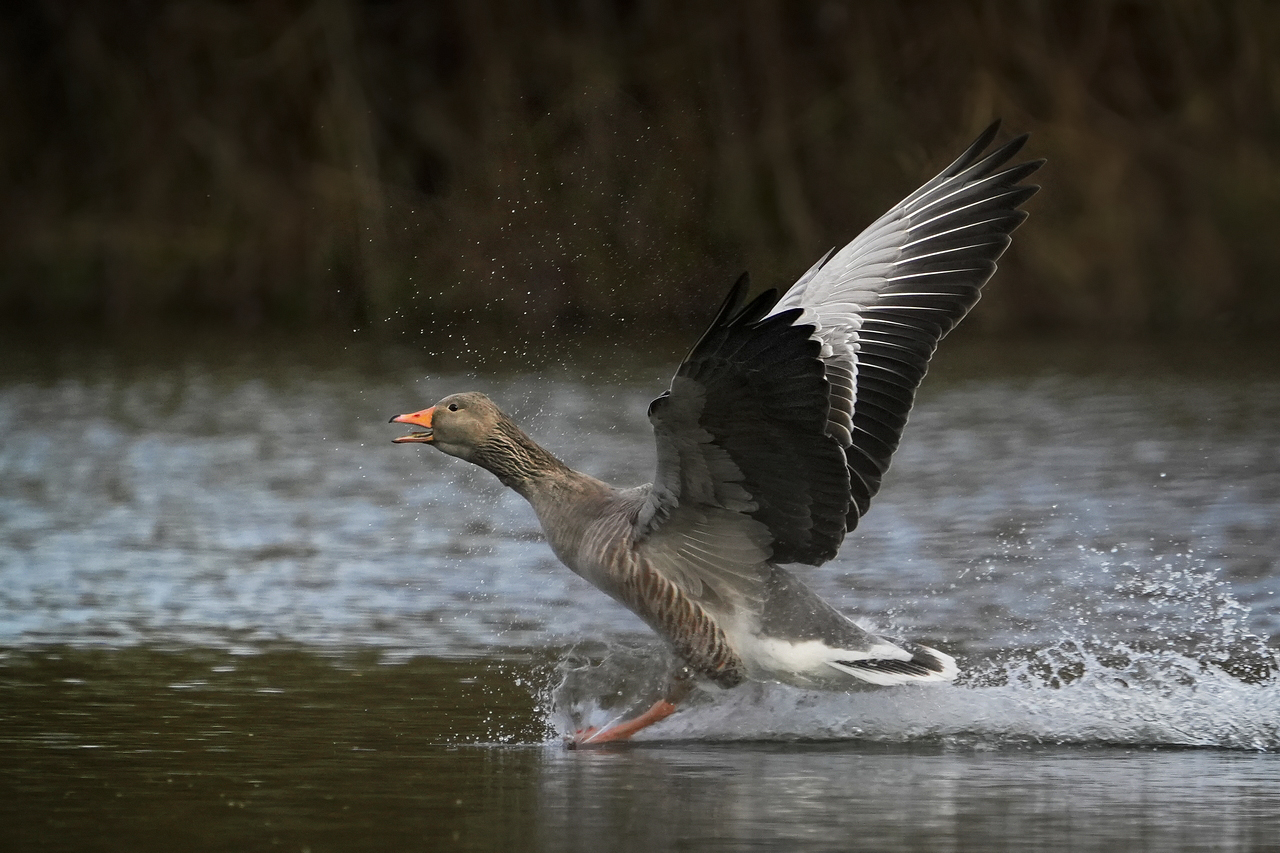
x=694 y=634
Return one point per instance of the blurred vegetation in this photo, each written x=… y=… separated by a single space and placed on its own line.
x=397 y=165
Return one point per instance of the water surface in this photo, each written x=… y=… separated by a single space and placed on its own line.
x=233 y=614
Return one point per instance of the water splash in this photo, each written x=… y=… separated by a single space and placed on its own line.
x=1174 y=665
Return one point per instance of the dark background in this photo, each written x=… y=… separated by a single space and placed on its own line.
x=391 y=165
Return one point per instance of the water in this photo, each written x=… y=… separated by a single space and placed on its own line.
x=233 y=614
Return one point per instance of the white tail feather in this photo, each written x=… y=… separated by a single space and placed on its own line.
x=869 y=672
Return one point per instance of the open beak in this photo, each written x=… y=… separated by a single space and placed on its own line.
x=418 y=419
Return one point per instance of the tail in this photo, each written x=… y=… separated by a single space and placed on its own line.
x=900 y=663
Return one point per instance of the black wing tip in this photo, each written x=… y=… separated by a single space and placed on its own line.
x=975 y=152
x=757 y=308
x=988 y=163
x=983 y=141
x=977 y=163
x=730 y=307
x=1022 y=171
x=733 y=299
x=735 y=309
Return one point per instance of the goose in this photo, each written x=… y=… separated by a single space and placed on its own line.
x=772 y=439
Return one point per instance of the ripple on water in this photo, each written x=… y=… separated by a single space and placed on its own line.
x=1098 y=546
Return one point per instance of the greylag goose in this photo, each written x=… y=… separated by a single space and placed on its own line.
x=771 y=442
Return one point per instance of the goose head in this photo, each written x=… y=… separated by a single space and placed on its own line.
x=458 y=424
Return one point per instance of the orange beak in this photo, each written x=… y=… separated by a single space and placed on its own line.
x=419 y=419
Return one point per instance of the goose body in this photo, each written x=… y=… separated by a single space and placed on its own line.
x=771 y=442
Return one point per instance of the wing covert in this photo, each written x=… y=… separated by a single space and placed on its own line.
x=743 y=427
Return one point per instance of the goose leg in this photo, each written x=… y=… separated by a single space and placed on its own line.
x=677 y=689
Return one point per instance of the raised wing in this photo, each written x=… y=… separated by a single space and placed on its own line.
x=743 y=427
x=788 y=410
x=880 y=305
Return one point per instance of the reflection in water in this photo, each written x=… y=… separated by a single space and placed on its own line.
x=234 y=610
x=145 y=750
x=923 y=798
x=138 y=749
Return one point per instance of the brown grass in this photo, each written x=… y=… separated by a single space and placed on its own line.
x=404 y=164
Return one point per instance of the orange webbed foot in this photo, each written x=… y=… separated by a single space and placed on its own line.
x=681 y=684
x=595 y=735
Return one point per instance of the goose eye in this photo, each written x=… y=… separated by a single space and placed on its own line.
x=453 y=407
